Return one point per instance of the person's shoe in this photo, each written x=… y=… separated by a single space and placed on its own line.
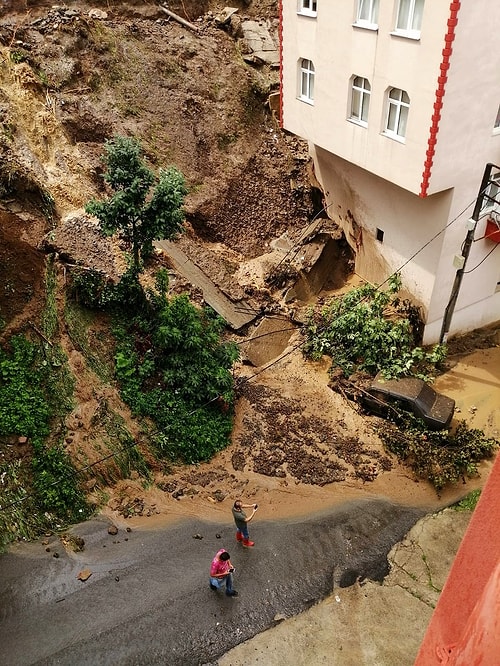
x=239 y=536
x=232 y=594
x=248 y=543
x=213 y=587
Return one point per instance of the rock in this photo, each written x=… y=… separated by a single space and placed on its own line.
x=112 y=529
x=219 y=495
x=197 y=536
x=84 y=575
x=98 y=14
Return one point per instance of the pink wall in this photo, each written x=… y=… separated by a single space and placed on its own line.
x=465 y=627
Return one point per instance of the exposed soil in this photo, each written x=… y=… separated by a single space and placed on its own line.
x=70 y=79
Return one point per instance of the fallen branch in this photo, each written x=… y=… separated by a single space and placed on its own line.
x=77 y=90
x=179 y=19
x=37 y=330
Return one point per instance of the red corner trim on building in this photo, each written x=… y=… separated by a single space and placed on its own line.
x=464 y=629
x=280 y=35
x=440 y=90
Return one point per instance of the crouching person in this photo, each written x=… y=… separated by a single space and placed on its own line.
x=221 y=573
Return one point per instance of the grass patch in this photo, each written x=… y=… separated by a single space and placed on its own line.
x=96 y=346
x=469 y=502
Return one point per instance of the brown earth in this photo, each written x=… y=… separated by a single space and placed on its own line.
x=70 y=81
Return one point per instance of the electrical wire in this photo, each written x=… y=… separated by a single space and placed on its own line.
x=482 y=260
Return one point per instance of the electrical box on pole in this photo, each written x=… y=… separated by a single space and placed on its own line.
x=460 y=261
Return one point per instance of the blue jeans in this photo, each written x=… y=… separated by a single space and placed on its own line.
x=243 y=531
x=219 y=582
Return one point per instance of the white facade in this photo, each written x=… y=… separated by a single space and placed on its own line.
x=399 y=100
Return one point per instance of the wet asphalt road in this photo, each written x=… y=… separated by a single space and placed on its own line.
x=148 y=601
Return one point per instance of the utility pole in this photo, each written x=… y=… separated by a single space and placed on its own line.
x=471 y=228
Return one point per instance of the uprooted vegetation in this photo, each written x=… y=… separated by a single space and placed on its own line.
x=369 y=330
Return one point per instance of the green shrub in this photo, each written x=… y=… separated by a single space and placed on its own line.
x=173 y=368
x=369 y=330
x=469 y=502
x=56 y=484
x=36 y=390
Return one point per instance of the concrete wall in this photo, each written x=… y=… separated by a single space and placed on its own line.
x=339 y=51
x=465 y=626
x=361 y=202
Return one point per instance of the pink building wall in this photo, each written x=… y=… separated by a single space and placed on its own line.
x=465 y=627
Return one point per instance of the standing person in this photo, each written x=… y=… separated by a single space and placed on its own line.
x=221 y=572
x=241 y=519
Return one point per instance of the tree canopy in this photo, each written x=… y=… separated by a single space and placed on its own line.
x=144 y=207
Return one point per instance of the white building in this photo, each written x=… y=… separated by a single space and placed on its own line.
x=399 y=101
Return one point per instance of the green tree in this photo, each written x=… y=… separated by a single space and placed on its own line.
x=144 y=207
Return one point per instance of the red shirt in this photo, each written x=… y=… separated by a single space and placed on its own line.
x=219 y=566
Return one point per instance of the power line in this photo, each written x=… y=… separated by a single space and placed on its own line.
x=482 y=260
x=427 y=244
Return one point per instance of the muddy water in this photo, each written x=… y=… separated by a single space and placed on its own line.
x=474 y=383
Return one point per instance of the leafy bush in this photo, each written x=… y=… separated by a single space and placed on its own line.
x=35 y=389
x=370 y=330
x=56 y=485
x=173 y=368
x=442 y=457
x=24 y=409
x=90 y=288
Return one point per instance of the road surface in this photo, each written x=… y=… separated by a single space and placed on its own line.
x=148 y=600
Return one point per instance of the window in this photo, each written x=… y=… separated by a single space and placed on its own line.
x=360 y=100
x=308 y=7
x=410 y=18
x=491 y=197
x=367 y=13
x=496 y=126
x=397 y=113
x=306 y=81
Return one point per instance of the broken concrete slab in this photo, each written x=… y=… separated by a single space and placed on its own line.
x=268 y=340
x=236 y=313
x=259 y=45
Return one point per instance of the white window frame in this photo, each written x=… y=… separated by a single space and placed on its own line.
x=367 y=14
x=409 y=18
x=359 y=97
x=491 y=207
x=307 y=73
x=496 y=124
x=398 y=108
x=307 y=7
